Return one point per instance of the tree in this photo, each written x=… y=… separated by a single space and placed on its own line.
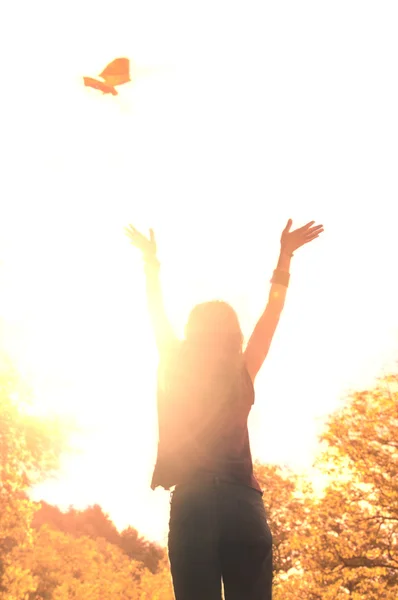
x=157 y=586
x=348 y=543
x=286 y=511
x=137 y=547
x=94 y=523
x=91 y=521
x=30 y=448
x=80 y=568
x=360 y=506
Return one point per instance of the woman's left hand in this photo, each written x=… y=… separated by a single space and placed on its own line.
x=291 y=240
x=147 y=245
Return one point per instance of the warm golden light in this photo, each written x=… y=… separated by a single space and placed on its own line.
x=214 y=150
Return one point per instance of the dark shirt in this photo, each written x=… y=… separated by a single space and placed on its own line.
x=204 y=430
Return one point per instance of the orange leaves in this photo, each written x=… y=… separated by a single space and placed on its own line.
x=345 y=543
x=81 y=568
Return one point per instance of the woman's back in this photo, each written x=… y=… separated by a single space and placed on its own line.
x=203 y=408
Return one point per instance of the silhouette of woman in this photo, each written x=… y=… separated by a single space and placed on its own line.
x=218 y=530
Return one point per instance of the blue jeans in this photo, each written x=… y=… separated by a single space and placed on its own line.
x=218 y=532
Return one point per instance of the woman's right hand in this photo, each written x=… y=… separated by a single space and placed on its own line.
x=143 y=243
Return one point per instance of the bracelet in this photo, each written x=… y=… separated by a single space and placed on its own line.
x=281 y=277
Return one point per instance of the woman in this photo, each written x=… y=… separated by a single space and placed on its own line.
x=218 y=531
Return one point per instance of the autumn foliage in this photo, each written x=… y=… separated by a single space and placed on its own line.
x=342 y=544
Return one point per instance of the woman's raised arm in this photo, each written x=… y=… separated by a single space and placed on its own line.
x=163 y=331
x=261 y=338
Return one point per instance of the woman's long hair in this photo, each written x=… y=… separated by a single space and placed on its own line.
x=204 y=381
x=214 y=325
x=209 y=362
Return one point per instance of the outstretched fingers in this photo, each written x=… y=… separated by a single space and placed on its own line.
x=133 y=230
x=313 y=233
x=134 y=235
x=316 y=229
x=306 y=227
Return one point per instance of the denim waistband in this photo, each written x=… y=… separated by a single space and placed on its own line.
x=210 y=478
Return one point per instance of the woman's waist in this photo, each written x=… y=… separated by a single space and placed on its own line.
x=216 y=477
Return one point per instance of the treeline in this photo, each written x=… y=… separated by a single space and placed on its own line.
x=341 y=545
x=94 y=523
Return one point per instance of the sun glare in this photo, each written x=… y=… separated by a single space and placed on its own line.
x=228 y=128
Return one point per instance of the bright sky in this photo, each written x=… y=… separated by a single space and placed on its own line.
x=254 y=112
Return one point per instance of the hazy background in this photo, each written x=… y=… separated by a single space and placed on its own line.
x=253 y=112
